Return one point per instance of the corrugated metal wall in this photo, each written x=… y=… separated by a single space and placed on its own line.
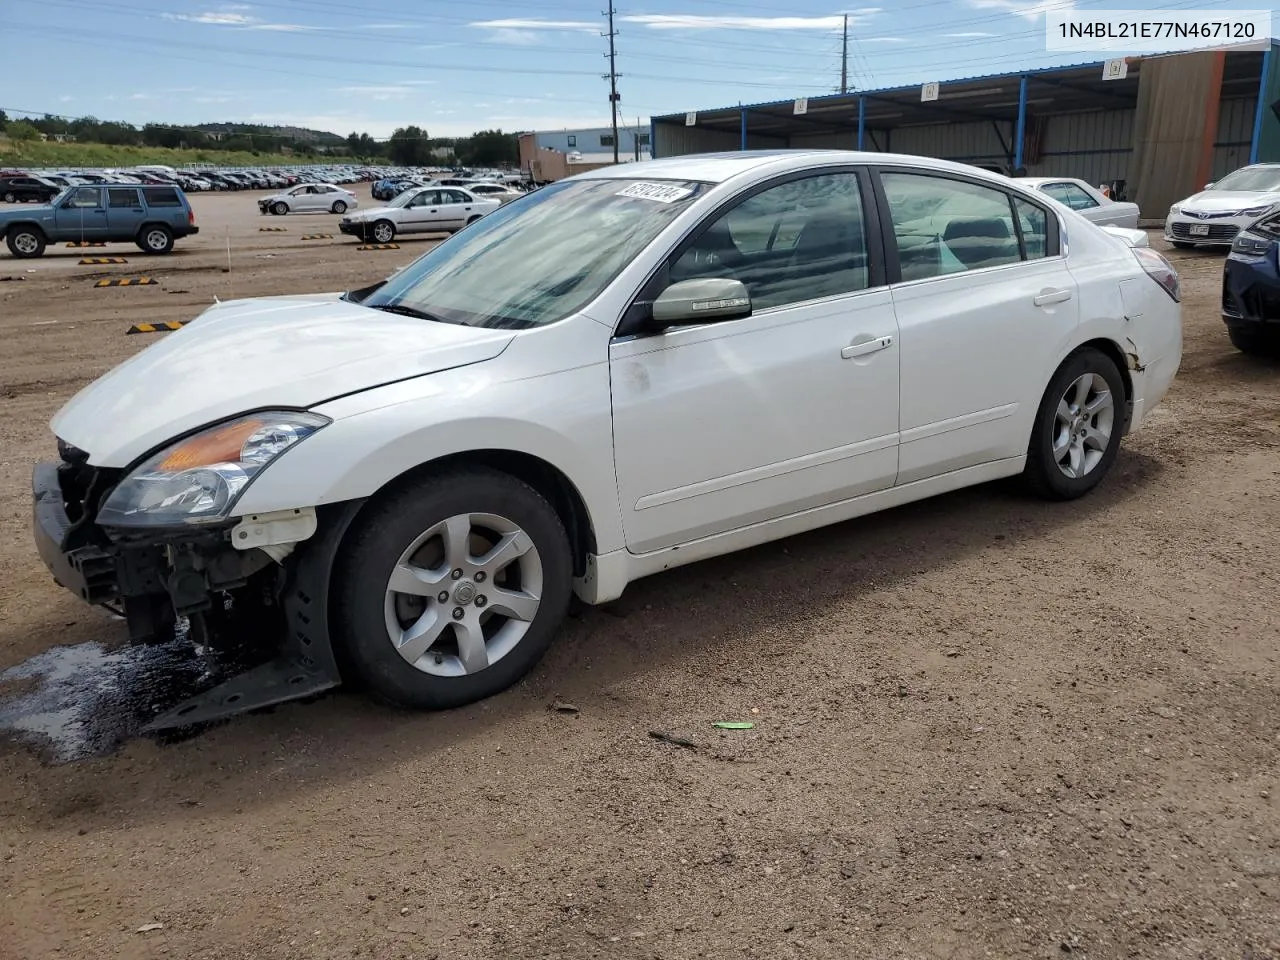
x=676 y=141
x=963 y=142
x=1094 y=146
x=1235 y=133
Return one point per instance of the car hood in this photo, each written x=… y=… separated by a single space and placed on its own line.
x=369 y=213
x=1224 y=201
x=243 y=355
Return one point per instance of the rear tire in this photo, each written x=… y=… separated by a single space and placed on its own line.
x=156 y=239
x=339 y=208
x=26 y=243
x=496 y=619
x=10 y=198
x=1261 y=342
x=1078 y=427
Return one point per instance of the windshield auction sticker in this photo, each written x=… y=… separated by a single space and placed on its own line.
x=1132 y=32
x=659 y=192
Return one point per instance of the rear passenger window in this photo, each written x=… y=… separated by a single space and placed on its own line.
x=162 y=197
x=798 y=241
x=122 y=197
x=1035 y=228
x=945 y=226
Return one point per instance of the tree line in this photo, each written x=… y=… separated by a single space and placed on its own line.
x=408 y=146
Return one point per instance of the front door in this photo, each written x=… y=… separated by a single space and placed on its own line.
x=423 y=213
x=83 y=214
x=985 y=305
x=728 y=424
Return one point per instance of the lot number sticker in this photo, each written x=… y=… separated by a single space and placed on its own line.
x=660 y=192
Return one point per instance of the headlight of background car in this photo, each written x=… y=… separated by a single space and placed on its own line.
x=197 y=480
x=1175 y=210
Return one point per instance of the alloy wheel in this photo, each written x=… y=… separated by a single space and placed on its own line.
x=1085 y=419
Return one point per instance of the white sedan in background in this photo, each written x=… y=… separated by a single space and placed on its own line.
x=633 y=369
x=1222 y=209
x=429 y=209
x=1087 y=200
x=310 y=198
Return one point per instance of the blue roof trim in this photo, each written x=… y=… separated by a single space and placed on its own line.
x=853 y=95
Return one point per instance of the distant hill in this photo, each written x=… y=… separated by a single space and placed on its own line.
x=283 y=132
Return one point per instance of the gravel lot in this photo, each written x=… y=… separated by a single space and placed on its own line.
x=984 y=726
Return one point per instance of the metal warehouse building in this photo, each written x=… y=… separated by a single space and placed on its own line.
x=1166 y=125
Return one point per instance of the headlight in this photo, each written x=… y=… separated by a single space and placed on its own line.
x=1175 y=210
x=1257 y=211
x=197 y=480
x=1250 y=244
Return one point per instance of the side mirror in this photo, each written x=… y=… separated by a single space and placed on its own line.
x=701 y=301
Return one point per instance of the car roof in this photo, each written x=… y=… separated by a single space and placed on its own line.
x=1035 y=181
x=720 y=167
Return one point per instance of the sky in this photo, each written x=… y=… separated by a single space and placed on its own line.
x=496 y=64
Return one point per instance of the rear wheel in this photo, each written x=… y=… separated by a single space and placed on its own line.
x=26 y=242
x=156 y=238
x=10 y=198
x=1255 y=341
x=384 y=231
x=1077 y=428
x=452 y=589
x=339 y=207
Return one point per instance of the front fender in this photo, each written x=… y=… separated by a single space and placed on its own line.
x=562 y=418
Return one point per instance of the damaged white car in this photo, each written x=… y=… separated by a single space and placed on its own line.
x=628 y=370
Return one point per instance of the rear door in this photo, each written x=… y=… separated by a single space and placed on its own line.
x=984 y=303
x=458 y=208
x=83 y=214
x=125 y=212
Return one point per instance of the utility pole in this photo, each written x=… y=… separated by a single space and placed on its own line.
x=613 y=79
x=844 y=58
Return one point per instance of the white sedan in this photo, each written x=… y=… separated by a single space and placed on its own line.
x=310 y=198
x=430 y=209
x=1087 y=200
x=1216 y=214
x=633 y=369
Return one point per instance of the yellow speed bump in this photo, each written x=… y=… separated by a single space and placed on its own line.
x=273 y=229
x=85 y=243
x=318 y=236
x=92 y=261
x=163 y=327
x=128 y=282
x=379 y=246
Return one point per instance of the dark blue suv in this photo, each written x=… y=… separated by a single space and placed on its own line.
x=150 y=216
x=1251 y=287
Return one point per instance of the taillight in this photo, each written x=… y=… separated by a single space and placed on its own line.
x=191 y=216
x=1160 y=270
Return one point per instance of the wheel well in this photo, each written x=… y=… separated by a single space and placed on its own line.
x=153 y=223
x=24 y=223
x=537 y=473
x=1117 y=356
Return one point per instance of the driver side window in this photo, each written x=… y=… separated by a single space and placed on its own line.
x=86 y=197
x=800 y=240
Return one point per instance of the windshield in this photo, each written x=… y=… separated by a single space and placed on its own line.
x=540 y=258
x=1254 y=179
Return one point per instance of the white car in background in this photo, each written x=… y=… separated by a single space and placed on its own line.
x=309 y=198
x=497 y=191
x=635 y=368
x=1087 y=200
x=429 y=209
x=1222 y=209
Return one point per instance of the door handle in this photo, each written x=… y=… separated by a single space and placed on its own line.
x=866 y=347
x=1046 y=297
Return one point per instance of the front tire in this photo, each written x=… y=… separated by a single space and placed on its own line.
x=451 y=590
x=279 y=208
x=1255 y=341
x=26 y=242
x=10 y=198
x=1077 y=428
x=384 y=231
x=1183 y=244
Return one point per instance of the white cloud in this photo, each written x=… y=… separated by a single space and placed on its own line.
x=682 y=21
x=419 y=83
x=213 y=99
x=141 y=96
x=968 y=35
x=65 y=99
x=233 y=16
x=375 y=92
x=516 y=23
x=516 y=38
x=883 y=40
x=1027 y=9
x=383 y=26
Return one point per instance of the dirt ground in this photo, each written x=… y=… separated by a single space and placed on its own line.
x=985 y=726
